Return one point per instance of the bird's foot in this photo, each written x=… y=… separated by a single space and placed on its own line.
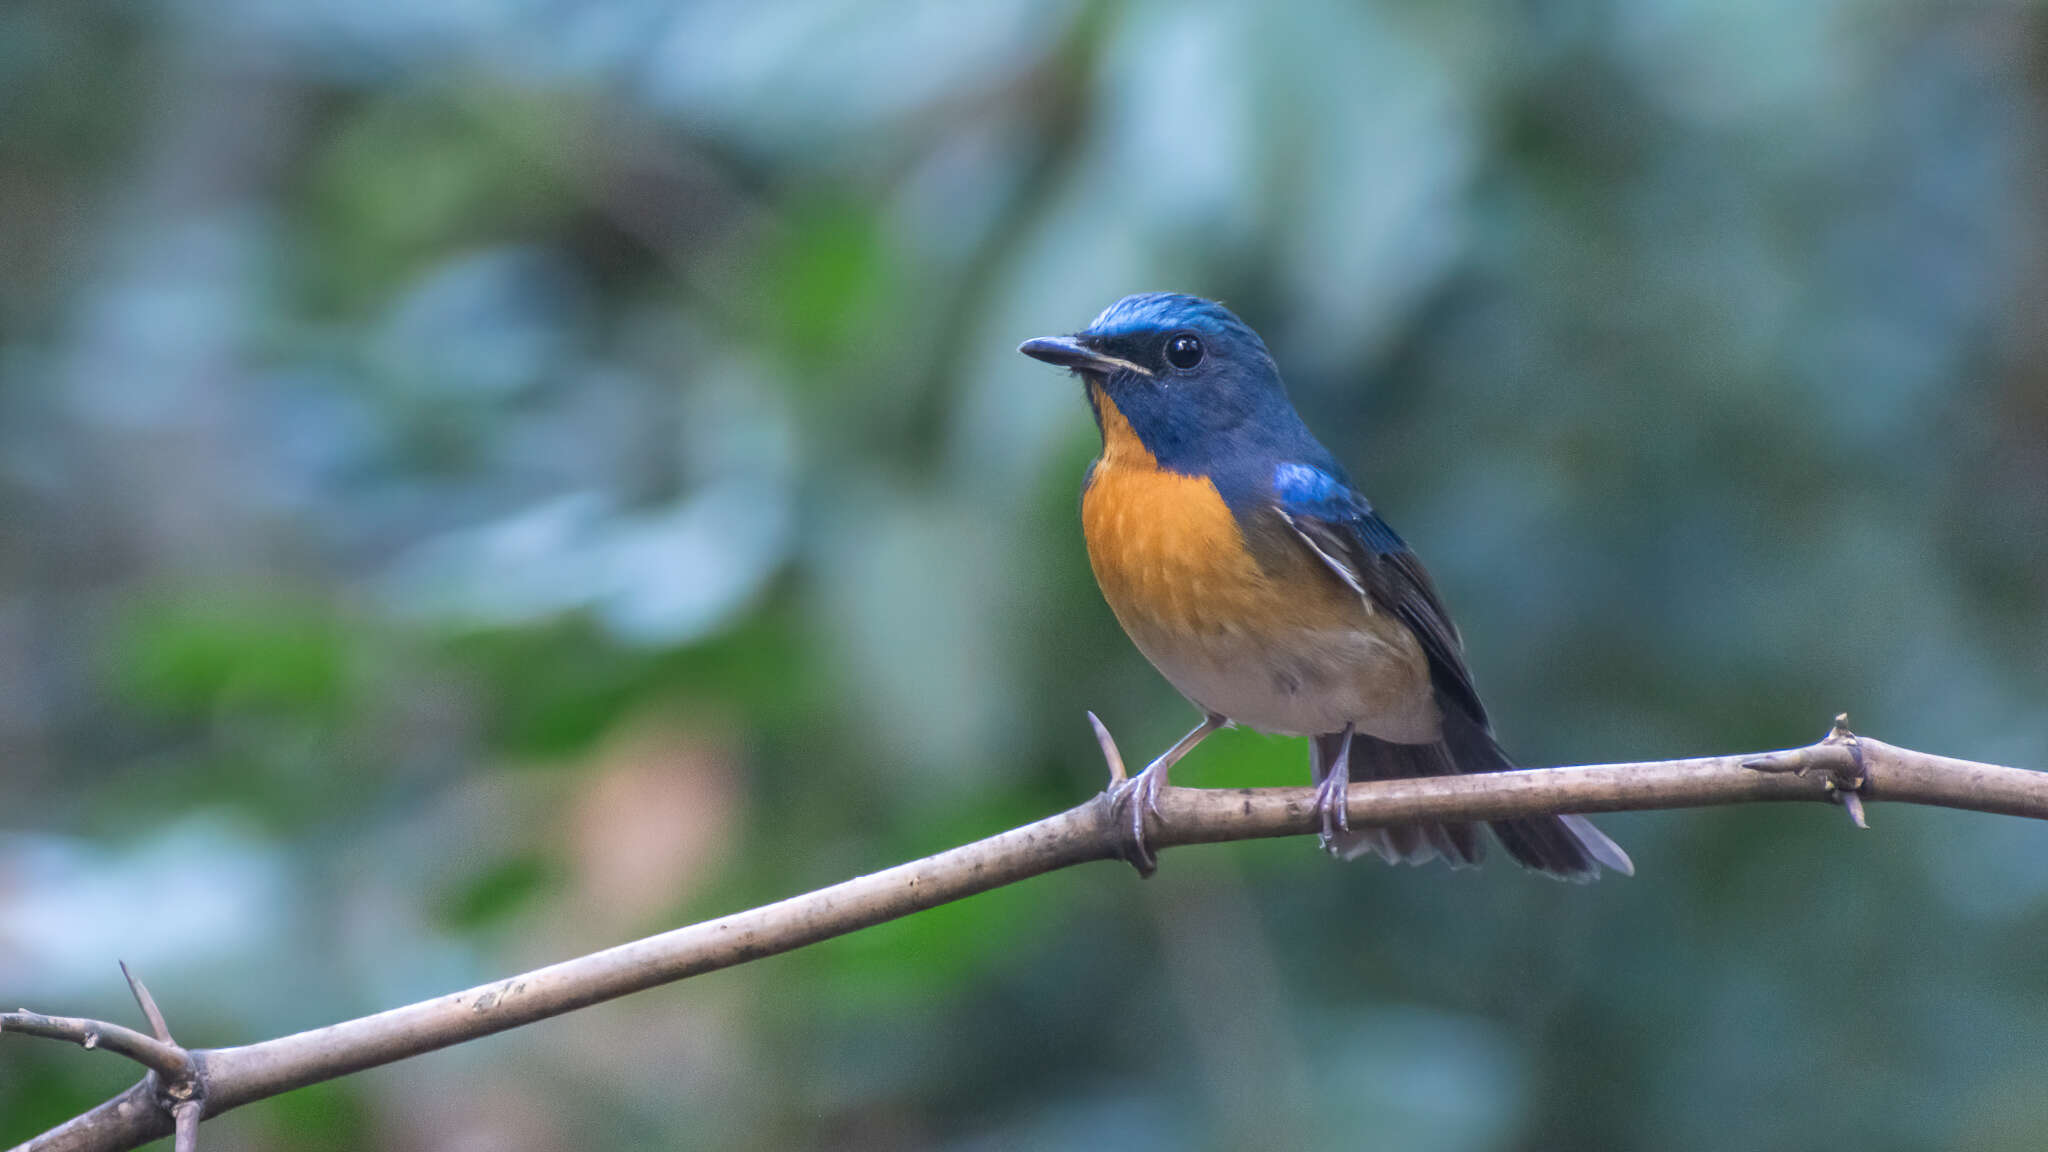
x=1131 y=801
x=1333 y=795
x=1131 y=797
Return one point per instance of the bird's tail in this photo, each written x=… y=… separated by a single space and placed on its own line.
x=1375 y=759
x=1568 y=847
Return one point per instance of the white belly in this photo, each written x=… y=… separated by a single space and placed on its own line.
x=1376 y=678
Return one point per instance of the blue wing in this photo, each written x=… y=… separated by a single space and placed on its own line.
x=1340 y=527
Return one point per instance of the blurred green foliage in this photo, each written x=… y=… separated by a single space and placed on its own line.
x=479 y=482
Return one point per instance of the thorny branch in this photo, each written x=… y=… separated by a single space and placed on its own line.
x=176 y=1082
x=187 y=1085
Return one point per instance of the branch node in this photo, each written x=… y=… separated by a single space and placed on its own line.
x=177 y=1075
x=1848 y=775
x=1839 y=755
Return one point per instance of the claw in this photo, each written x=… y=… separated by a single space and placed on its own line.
x=1121 y=785
x=1130 y=797
x=1330 y=805
x=1124 y=801
x=1149 y=784
x=1133 y=798
x=1333 y=795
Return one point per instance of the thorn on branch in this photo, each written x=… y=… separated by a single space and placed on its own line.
x=176 y=1077
x=147 y=1003
x=1114 y=758
x=1839 y=755
x=1078 y=835
x=182 y=1093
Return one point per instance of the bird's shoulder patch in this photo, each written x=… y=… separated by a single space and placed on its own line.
x=1306 y=492
x=1307 y=486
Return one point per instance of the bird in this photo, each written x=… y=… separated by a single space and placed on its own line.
x=1240 y=560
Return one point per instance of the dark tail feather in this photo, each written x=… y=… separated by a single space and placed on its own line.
x=1375 y=759
x=1568 y=847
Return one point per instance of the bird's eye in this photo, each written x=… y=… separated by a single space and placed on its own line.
x=1183 y=351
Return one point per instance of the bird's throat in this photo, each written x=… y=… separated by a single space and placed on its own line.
x=1121 y=445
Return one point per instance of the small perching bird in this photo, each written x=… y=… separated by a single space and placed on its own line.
x=1241 y=562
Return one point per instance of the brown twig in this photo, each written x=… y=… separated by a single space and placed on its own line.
x=185 y=1118
x=167 y=1060
x=1839 y=767
x=176 y=1082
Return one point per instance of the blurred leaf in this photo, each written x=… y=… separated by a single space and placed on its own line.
x=190 y=657
x=326 y=1117
x=497 y=893
x=414 y=175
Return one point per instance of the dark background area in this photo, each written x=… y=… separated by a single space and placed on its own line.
x=480 y=481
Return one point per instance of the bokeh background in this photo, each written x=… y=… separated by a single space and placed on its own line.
x=480 y=481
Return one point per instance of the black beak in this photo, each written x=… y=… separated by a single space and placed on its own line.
x=1069 y=352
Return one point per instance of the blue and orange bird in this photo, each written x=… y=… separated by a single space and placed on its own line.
x=1241 y=562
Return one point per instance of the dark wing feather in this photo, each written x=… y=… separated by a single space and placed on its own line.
x=1357 y=547
x=1360 y=549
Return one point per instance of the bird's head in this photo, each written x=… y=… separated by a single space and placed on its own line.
x=1184 y=374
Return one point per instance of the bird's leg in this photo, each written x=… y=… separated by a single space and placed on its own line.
x=1331 y=793
x=1140 y=793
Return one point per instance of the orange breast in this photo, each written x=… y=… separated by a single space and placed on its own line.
x=1263 y=635
x=1169 y=555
